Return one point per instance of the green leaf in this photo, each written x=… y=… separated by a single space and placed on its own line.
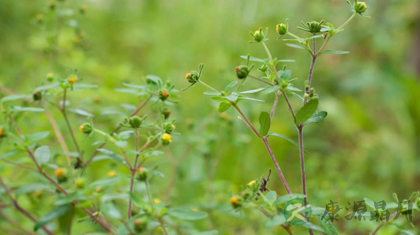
x=114 y=156
x=286 y=138
x=318 y=116
x=139 y=202
x=403 y=229
x=224 y=106
x=134 y=86
x=335 y=52
x=284 y=75
x=287 y=197
x=25 y=109
x=230 y=86
x=296 y=46
x=42 y=155
x=155 y=79
x=370 y=203
x=84 y=85
x=313 y=227
x=47 y=87
x=271 y=89
x=271 y=196
x=326 y=224
x=253 y=91
x=251 y=58
x=218 y=98
x=69 y=199
x=127 y=90
x=306 y=112
x=28 y=188
x=37 y=137
x=297 y=95
x=265 y=123
x=111 y=197
x=52 y=215
x=212 y=93
x=111 y=210
x=276 y=221
x=186 y=214
x=11 y=153
x=12 y=97
x=232 y=97
x=251 y=99
x=80 y=112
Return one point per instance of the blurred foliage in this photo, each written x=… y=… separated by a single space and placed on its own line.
x=368 y=146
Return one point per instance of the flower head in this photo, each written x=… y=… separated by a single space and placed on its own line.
x=111 y=174
x=72 y=80
x=59 y=172
x=166 y=139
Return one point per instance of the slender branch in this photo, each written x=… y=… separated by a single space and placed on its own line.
x=273 y=109
x=246 y=119
x=16 y=224
x=57 y=131
x=302 y=160
x=261 y=80
x=383 y=222
x=283 y=179
x=152 y=203
x=126 y=158
x=273 y=66
x=288 y=103
x=210 y=87
x=20 y=165
x=138 y=109
x=63 y=111
x=19 y=208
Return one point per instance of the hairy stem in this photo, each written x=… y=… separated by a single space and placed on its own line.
x=19 y=208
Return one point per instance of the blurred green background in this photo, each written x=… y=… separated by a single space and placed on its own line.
x=368 y=146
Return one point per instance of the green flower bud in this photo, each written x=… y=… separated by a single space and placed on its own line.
x=312 y=27
x=192 y=77
x=140 y=225
x=135 y=121
x=51 y=5
x=242 y=71
x=169 y=127
x=263 y=68
x=166 y=113
x=86 y=128
x=360 y=7
x=37 y=96
x=80 y=183
x=281 y=29
x=141 y=174
x=258 y=35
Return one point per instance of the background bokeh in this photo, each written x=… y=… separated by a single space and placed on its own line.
x=368 y=146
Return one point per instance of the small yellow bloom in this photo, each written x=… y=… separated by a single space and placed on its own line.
x=97 y=99
x=140 y=170
x=363 y=3
x=167 y=137
x=251 y=183
x=83 y=9
x=165 y=94
x=234 y=201
x=72 y=80
x=49 y=75
x=59 y=172
x=159 y=229
x=111 y=174
x=187 y=75
x=157 y=201
x=81 y=127
x=1 y=132
x=37 y=193
x=256 y=32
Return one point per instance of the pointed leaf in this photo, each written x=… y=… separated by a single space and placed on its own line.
x=42 y=155
x=265 y=123
x=286 y=138
x=116 y=157
x=52 y=215
x=80 y=112
x=318 y=116
x=335 y=52
x=253 y=91
x=326 y=224
x=186 y=214
x=306 y=112
x=296 y=46
x=230 y=86
x=251 y=58
x=224 y=106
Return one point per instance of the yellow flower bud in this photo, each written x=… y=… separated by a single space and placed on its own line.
x=251 y=183
x=72 y=80
x=166 y=139
x=111 y=174
x=59 y=172
x=157 y=201
x=234 y=201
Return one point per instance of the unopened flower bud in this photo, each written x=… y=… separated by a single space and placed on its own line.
x=60 y=173
x=37 y=96
x=166 y=139
x=50 y=77
x=169 y=127
x=141 y=174
x=192 y=77
x=135 y=121
x=72 y=80
x=258 y=35
x=281 y=29
x=360 y=7
x=83 y=9
x=234 y=201
x=86 y=128
x=80 y=183
x=51 y=5
x=263 y=68
x=140 y=225
x=111 y=174
x=2 y=133
x=166 y=113
x=242 y=71
x=163 y=95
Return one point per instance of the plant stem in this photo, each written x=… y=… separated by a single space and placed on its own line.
x=345 y=23
x=208 y=86
x=32 y=156
x=288 y=104
x=19 y=208
x=283 y=179
x=117 y=129
x=134 y=168
x=152 y=203
x=261 y=80
x=273 y=66
x=15 y=224
x=246 y=119
x=63 y=111
x=273 y=109
x=302 y=160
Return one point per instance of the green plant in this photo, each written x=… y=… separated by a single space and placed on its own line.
x=281 y=83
